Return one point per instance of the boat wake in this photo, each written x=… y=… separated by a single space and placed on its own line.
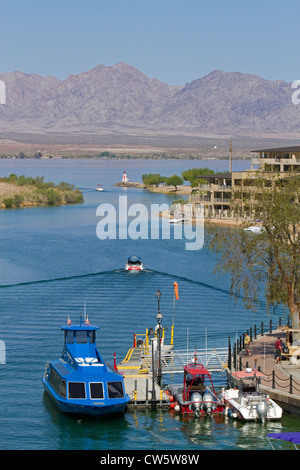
x=148 y=271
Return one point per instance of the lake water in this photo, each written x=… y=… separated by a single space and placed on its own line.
x=52 y=263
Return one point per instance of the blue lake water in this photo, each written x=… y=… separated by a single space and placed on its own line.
x=52 y=263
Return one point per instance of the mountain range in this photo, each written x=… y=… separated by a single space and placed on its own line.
x=122 y=100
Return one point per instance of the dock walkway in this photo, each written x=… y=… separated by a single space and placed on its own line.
x=282 y=381
x=144 y=392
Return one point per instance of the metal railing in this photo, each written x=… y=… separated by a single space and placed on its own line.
x=214 y=360
x=272 y=380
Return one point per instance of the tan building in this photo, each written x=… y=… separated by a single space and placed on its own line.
x=215 y=191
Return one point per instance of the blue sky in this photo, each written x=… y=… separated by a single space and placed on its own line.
x=176 y=41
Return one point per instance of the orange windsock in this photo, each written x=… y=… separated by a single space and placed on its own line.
x=176 y=290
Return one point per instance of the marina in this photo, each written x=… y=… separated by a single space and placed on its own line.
x=50 y=274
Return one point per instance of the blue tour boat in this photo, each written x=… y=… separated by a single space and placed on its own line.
x=80 y=382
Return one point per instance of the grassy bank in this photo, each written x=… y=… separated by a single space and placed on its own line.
x=24 y=191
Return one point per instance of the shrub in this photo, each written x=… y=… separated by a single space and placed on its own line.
x=18 y=199
x=8 y=202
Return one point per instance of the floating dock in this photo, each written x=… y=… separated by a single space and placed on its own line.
x=139 y=382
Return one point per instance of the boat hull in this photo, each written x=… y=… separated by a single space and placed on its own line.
x=91 y=409
x=246 y=408
x=134 y=268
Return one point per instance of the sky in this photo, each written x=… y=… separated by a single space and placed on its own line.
x=175 y=41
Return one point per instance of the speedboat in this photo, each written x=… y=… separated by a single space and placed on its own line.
x=195 y=397
x=99 y=187
x=247 y=403
x=134 y=264
x=80 y=382
x=176 y=221
x=254 y=229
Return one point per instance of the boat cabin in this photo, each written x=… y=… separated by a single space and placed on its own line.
x=80 y=381
x=194 y=380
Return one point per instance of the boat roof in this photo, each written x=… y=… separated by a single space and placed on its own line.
x=196 y=369
x=242 y=374
x=79 y=327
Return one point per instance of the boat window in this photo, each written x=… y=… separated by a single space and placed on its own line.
x=81 y=337
x=91 y=335
x=62 y=391
x=96 y=390
x=54 y=380
x=115 y=390
x=76 y=390
x=70 y=337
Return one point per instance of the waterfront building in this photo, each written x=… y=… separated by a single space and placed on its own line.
x=215 y=191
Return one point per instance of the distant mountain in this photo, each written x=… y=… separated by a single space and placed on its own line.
x=122 y=99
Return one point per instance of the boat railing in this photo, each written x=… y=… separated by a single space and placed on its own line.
x=214 y=360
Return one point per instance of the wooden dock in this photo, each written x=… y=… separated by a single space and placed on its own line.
x=139 y=383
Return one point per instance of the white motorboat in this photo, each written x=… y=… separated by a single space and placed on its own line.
x=176 y=221
x=247 y=402
x=254 y=229
x=134 y=264
x=99 y=187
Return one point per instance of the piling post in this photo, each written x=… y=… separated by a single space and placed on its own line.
x=135 y=393
x=147 y=391
x=234 y=356
x=229 y=354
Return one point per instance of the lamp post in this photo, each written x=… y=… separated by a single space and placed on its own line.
x=153 y=400
x=159 y=318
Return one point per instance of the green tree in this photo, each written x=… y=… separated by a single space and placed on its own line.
x=153 y=179
x=267 y=261
x=53 y=197
x=174 y=180
x=191 y=175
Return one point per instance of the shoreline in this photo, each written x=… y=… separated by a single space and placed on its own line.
x=223 y=222
x=16 y=196
x=182 y=189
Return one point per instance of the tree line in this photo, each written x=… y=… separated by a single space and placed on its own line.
x=191 y=176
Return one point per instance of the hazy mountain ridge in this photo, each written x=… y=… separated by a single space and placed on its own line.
x=221 y=103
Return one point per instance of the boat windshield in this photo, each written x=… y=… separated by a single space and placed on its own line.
x=79 y=336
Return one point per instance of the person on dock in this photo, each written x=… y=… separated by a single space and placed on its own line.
x=278 y=349
x=247 y=344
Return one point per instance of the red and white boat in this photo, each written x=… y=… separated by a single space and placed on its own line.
x=134 y=264
x=195 y=397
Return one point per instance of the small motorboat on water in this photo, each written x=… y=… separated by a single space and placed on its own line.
x=134 y=264
x=176 y=221
x=99 y=187
x=80 y=382
x=254 y=229
x=247 y=402
x=195 y=397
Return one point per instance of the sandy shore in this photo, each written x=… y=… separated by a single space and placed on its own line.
x=224 y=222
x=182 y=189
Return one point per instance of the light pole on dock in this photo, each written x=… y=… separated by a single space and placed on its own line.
x=151 y=332
x=159 y=318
